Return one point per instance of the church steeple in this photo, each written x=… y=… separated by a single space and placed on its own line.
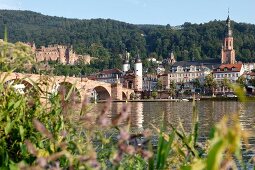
x=228 y=24
x=228 y=52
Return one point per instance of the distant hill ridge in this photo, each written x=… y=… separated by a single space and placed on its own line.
x=188 y=41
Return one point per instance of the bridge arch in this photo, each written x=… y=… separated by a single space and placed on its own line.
x=23 y=86
x=101 y=93
x=124 y=96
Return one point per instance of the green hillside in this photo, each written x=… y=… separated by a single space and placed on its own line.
x=188 y=41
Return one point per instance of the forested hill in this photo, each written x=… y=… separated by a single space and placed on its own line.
x=188 y=41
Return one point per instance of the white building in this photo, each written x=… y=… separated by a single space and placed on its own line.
x=228 y=71
x=248 y=67
x=185 y=72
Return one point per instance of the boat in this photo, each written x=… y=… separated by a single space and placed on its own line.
x=185 y=100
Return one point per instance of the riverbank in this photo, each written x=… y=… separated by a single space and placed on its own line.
x=204 y=98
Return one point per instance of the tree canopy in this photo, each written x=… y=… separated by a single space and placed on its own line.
x=188 y=41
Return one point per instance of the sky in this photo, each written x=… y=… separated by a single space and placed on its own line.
x=173 y=12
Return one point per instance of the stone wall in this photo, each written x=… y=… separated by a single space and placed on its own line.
x=61 y=53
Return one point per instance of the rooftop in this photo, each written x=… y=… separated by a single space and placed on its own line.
x=229 y=68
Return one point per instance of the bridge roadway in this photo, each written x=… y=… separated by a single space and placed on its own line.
x=83 y=87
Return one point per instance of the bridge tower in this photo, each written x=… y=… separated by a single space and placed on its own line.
x=126 y=65
x=138 y=74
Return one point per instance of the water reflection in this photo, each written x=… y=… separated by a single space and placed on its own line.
x=137 y=117
x=143 y=114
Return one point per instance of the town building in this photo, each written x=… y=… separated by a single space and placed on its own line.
x=150 y=82
x=228 y=71
x=130 y=78
x=184 y=72
x=248 y=67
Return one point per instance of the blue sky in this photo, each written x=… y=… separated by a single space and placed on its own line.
x=173 y=12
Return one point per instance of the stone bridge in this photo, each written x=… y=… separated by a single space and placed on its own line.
x=83 y=87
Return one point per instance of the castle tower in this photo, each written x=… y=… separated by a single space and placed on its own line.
x=228 y=52
x=126 y=65
x=138 y=74
x=62 y=54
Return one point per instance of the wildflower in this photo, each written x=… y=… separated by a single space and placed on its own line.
x=42 y=162
x=117 y=157
x=130 y=150
x=30 y=148
x=41 y=128
x=63 y=133
x=122 y=116
x=84 y=105
x=104 y=121
x=146 y=154
x=124 y=135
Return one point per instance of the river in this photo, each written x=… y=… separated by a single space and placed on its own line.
x=144 y=114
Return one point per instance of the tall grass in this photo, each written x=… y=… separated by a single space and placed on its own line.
x=32 y=136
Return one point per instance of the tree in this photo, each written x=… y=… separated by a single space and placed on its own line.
x=252 y=82
x=225 y=84
x=172 y=89
x=196 y=83
x=159 y=85
x=154 y=94
x=210 y=83
x=241 y=81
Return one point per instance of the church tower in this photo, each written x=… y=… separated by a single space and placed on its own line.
x=228 y=52
x=138 y=74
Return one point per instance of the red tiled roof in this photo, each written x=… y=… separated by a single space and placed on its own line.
x=92 y=77
x=251 y=74
x=229 y=67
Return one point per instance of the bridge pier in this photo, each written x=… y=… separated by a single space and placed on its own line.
x=116 y=91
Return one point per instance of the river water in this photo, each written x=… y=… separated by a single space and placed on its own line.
x=144 y=114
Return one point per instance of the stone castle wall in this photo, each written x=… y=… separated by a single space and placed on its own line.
x=61 y=53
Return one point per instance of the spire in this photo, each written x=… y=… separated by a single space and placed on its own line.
x=228 y=24
x=126 y=58
x=138 y=59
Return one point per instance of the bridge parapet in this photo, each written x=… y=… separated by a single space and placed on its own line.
x=83 y=85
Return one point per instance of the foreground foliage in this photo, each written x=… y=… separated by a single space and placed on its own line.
x=54 y=136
